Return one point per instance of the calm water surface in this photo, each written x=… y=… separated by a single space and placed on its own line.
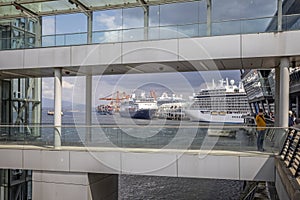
x=133 y=187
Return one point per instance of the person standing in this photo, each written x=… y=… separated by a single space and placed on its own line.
x=261 y=129
x=291 y=119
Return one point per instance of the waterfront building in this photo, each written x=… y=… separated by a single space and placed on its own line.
x=183 y=35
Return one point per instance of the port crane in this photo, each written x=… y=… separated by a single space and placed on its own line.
x=115 y=99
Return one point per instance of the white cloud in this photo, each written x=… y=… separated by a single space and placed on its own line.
x=48 y=94
x=108 y=21
x=67 y=85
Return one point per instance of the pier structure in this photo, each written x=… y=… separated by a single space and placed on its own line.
x=208 y=43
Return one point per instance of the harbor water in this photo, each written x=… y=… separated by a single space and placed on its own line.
x=150 y=187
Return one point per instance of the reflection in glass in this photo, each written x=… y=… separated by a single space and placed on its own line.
x=107 y=20
x=291 y=22
x=202 y=30
x=107 y=36
x=226 y=28
x=48 y=41
x=188 y=30
x=60 y=40
x=76 y=23
x=258 y=25
x=153 y=33
x=154 y=16
x=133 y=34
x=168 y=32
x=48 y=25
x=74 y=39
x=179 y=13
x=133 y=17
x=242 y=9
x=202 y=12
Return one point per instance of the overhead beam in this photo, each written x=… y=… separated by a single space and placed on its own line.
x=25 y=10
x=81 y=6
x=79 y=10
x=8 y=3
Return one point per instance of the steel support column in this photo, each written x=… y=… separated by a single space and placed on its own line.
x=277 y=100
x=209 y=8
x=57 y=106
x=284 y=92
x=90 y=28
x=38 y=34
x=88 y=107
x=146 y=17
x=279 y=15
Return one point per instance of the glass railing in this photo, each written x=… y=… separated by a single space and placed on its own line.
x=291 y=22
x=167 y=32
x=64 y=39
x=230 y=27
x=186 y=136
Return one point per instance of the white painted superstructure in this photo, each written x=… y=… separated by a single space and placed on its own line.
x=219 y=103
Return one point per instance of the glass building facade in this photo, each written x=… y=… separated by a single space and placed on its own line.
x=20 y=106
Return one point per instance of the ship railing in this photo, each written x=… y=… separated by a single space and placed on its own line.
x=184 y=136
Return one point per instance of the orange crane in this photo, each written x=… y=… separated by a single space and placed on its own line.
x=153 y=94
x=115 y=101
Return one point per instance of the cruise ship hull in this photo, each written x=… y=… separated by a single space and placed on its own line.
x=198 y=115
x=138 y=114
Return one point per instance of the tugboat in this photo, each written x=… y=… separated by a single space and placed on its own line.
x=52 y=113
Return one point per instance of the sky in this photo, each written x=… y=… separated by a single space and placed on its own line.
x=179 y=83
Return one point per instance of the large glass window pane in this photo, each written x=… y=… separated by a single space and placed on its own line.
x=259 y=25
x=154 y=16
x=291 y=7
x=133 y=18
x=179 y=13
x=48 y=25
x=31 y=26
x=168 y=32
x=202 y=30
x=60 y=40
x=188 y=30
x=107 y=20
x=241 y=9
x=107 y=36
x=153 y=33
x=73 y=39
x=72 y=23
x=226 y=28
x=202 y=12
x=291 y=22
x=48 y=41
x=133 y=34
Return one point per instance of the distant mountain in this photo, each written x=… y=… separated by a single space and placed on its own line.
x=66 y=105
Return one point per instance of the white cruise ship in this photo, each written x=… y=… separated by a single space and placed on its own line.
x=141 y=107
x=219 y=103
